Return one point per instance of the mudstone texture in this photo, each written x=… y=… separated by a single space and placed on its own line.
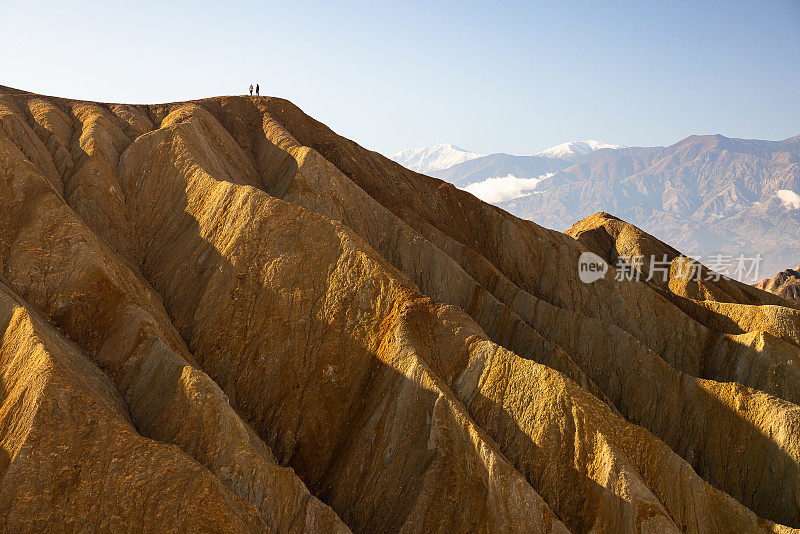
x=221 y=316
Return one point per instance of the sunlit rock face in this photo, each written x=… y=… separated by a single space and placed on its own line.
x=221 y=316
x=786 y=284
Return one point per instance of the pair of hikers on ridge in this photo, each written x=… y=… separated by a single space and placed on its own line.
x=251 y=89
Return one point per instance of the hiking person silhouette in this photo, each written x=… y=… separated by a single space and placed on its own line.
x=256 y=89
x=251 y=89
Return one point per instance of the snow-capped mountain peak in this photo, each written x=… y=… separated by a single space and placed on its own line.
x=433 y=158
x=574 y=149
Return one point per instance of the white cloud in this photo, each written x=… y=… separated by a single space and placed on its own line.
x=789 y=198
x=503 y=188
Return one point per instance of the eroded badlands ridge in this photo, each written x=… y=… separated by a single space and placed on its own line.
x=221 y=316
x=786 y=284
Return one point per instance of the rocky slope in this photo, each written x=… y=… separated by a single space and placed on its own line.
x=785 y=283
x=221 y=316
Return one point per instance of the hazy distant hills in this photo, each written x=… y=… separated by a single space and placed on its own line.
x=705 y=194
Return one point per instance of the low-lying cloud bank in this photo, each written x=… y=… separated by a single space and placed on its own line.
x=503 y=188
x=789 y=198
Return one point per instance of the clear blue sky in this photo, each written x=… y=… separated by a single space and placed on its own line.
x=492 y=77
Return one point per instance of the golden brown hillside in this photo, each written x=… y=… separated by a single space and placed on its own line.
x=221 y=316
x=786 y=284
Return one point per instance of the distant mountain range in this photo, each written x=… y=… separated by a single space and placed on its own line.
x=574 y=149
x=705 y=195
x=433 y=159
